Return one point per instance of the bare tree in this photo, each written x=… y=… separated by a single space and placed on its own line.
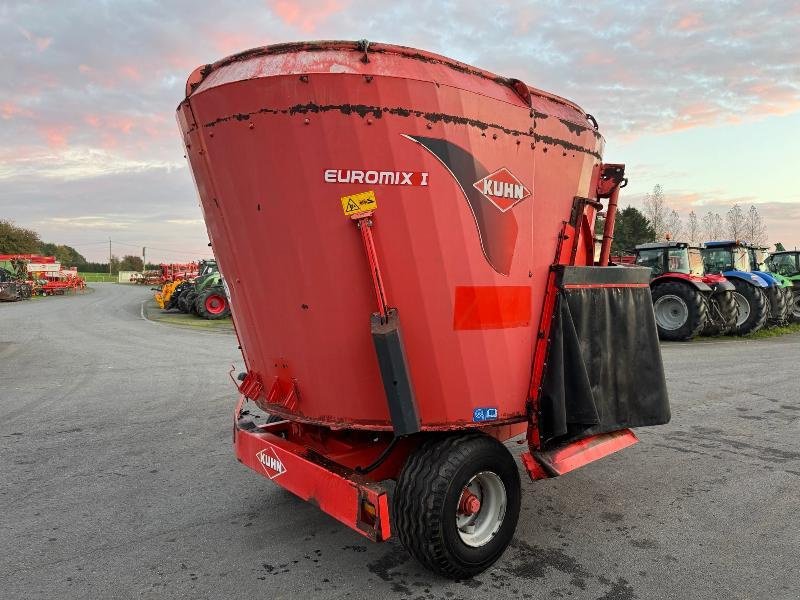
x=713 y=228
x=673 y=226
x=754 y=230
x=735 y=222
x=655 y=209
x=693 y=229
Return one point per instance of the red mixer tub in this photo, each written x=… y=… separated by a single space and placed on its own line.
x=408 y=246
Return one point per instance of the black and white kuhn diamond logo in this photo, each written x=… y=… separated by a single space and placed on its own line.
x=271 y=463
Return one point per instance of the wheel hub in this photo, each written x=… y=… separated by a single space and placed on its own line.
x=744 y=308
x=671 y=312
x=481 y=509
x=469 y=504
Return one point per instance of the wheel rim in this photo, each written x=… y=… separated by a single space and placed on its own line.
x=215 y=304
x=796 y=306
x=671 y=312
x=743 y=307
x=481 y=509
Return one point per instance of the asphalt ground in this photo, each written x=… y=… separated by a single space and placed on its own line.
x=118 y=480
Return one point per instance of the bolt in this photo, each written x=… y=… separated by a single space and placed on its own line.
x=429 y=125
x=304 y=78
x=494 y=136
x=369 y=121
x=211 y=134
x=306 y=121
x=252 y=125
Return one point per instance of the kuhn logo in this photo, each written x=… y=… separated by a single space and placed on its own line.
x=271 y=463
x=414 y=178
x=502 y=189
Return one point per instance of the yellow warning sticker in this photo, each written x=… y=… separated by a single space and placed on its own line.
x=358 y=203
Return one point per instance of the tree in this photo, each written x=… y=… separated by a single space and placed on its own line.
x=673 y=226
x=131 y=263
x=66 y=255
x=754 y=230
x=735 y=223
x=693 y=229
x=713 y=227
x=655 y=209
x=17 y=240
x=631 y=228
x=779 y=247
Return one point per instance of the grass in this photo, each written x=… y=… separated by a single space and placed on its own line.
x=188 y=321
x=771 y=332
x=99 y=277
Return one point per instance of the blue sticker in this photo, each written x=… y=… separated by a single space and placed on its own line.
x=484 y=414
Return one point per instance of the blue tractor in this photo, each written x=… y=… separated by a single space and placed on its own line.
x=753 y=300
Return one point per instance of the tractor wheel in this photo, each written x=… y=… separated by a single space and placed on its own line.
x=722 y=314
x=213 y=304
x=186 y=301
x=680 y=311
x=795 y=307
x=753 y=307
x=777 y=306
x=456 y=504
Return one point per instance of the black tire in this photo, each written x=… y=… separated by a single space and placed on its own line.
x=794 y=309
x=186 y=301
x=428 y=495
x=756 y=311
x=685 y=297
x=202 y=305
x=777 y=306
x=722 y=313
x=789 y=297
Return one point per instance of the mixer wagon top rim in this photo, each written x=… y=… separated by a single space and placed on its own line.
x=200 y=73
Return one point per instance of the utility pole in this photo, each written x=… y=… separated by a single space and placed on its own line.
x=144 y=260
x=109 y=255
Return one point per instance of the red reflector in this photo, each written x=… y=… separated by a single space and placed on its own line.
x=491 y=307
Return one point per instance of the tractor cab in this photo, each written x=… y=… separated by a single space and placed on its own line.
x=721 y=257
x=785 y=262
x=670 y=257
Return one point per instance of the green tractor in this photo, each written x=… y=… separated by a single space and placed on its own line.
x=205 y=295
x=786 y=264
x=758 y=262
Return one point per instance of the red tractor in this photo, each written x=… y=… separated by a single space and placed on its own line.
x=686 y=300
x=408 y=246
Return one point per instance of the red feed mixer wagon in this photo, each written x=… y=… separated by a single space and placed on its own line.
x=408 y=246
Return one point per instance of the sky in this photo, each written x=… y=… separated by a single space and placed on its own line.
x=702 y=98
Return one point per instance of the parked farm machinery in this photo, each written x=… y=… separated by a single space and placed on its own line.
x=203 y=294
x=757 y=298
x=786 y=263
x=26 y=275
x=431 y=293
x=687 y=301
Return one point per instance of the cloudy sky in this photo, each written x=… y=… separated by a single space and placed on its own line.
x=702 y=98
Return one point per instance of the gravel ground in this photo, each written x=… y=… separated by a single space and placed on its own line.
x=118 y=480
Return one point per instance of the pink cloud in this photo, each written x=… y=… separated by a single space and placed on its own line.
x=55 y=135
x=9 y=110
x=306 y=16
x=41 y=43
x=690 y=22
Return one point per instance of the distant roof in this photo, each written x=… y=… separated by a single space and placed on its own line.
x=665 y=244
x=719 y=243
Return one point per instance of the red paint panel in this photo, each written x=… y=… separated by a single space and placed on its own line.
x=491 y=307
